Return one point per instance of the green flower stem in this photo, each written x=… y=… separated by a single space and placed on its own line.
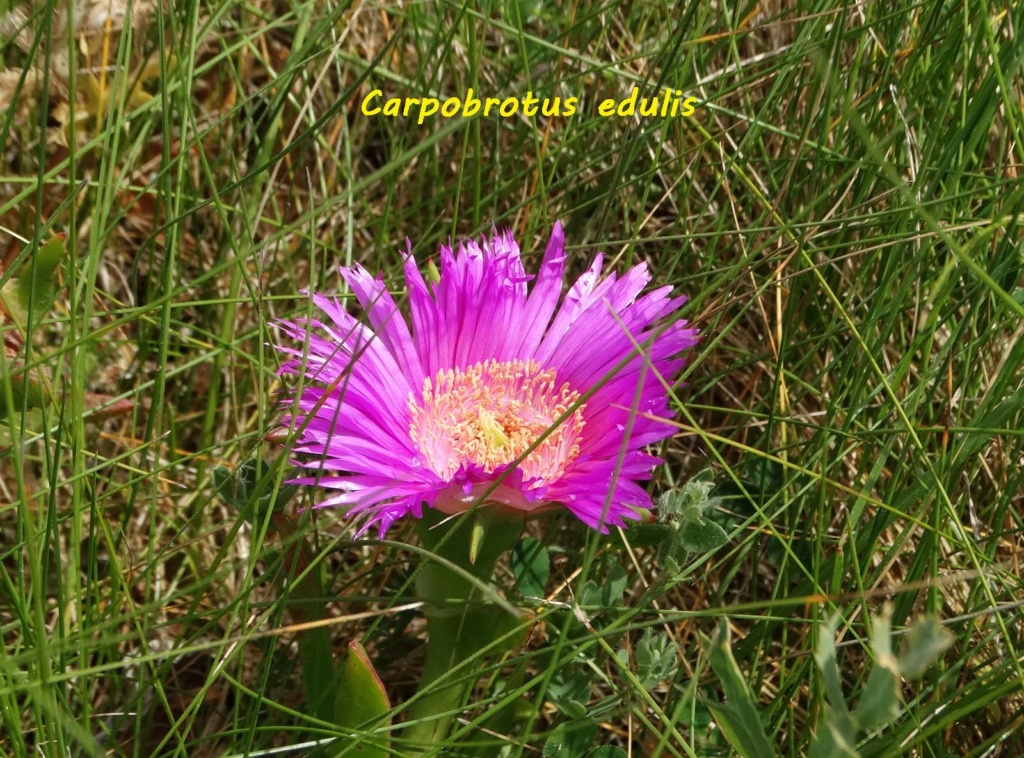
x=461 y=620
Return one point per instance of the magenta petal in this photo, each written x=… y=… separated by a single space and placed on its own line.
x=543 y=300
x=386 y=320
x=433 y=410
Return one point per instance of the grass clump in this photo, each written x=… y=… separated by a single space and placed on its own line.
x=843 y=208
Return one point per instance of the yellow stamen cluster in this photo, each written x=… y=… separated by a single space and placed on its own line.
x=488 y=415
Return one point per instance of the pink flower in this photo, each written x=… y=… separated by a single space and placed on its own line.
x=448 y=407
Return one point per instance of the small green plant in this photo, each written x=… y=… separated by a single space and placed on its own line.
x=879 y=704
x=842 y=727
x=657 y=658
x=690 y=530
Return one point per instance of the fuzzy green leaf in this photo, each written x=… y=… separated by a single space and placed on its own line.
x=880 y=702
x=837 y=712
x=571 y=694
x=570 y=739
x=833 y=740
x=702 y=536
x=614 y=586
x=609 y=593
x=656 y=658
x=690 y=502
x=926 y=641
x=671 y=553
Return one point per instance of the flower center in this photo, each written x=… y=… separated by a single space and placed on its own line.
x=488 y=414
